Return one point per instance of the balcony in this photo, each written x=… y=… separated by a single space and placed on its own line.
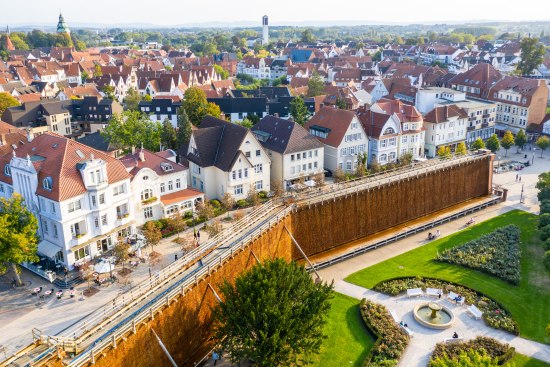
x=149 y=201
x=470 y=128
x=485 y=124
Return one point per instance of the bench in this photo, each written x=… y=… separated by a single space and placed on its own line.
x=394 y=316
x=396 y=319
x=451 y=297
x=475 y=312
x=452 y=340
x=414 y=292
x=433 y=292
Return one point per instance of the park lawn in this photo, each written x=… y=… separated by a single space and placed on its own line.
x=529 y=303
x=521 y=360
x=348 y=340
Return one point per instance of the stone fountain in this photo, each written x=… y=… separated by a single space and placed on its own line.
x=433 y=315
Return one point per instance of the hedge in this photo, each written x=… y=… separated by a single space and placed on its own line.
x=493 y=348
x=391 y=339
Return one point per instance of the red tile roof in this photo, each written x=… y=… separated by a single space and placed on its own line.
x=336 y=120
x=134 y=164
x=179 y=196
x=443 y=113
x=60 y=158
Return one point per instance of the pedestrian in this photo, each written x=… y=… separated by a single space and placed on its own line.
x=215 y=357
x=455 y=335
x=175 y=257
x=517 y=176
x=198 y=234
x=195 y=235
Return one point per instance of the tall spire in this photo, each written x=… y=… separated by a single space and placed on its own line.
x=8 y=30
x=61 y=26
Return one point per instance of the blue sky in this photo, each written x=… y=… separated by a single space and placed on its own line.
x=170 y=12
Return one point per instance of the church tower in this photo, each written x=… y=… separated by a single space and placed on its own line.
x=8 y=43
x=265 y=31
x=62 y=26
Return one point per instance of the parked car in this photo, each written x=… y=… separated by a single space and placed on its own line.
x=328 y=173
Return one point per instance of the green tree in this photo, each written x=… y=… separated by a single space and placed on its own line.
x=532 y=54
x=184 y=129
x=147 y=98
x=493 y=144
x=7 y=100
x=274 y=315
x=316 y=85
x=228 y=202
x=299 y=111
x=341 y=103
x=133 y=129
x=443 y=151
x=521 y=139
x=245 y=123
x=121 y=251
x=224 y=74
x=468 y=358
x=109 y=91
x=307 y=36
x=152 y=234
x=18 y=238
x=507 y=141
x=543 y=142
x=197 y=107
x=461 y=148
x=478 y=144
x=132 y=99
x=168 y=137
x=18 y=41
x=97 y=71
x=84 y=76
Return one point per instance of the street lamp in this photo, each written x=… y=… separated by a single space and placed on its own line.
x=521 y=200
x=498 y=164
x=533 y=160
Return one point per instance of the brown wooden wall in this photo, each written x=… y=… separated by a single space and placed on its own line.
x=184 y=325
x=323 y=226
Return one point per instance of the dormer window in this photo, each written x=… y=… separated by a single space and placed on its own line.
x=47 y=183
x=166 y=167
x=7 y=170
x=389 y=131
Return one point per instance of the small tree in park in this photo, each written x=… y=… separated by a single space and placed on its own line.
x=543 y=142
x=478 y=144
x=507 y=141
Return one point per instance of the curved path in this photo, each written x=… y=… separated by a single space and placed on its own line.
x=424 y=340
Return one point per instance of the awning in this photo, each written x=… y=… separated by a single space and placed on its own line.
x=310 y=183
x=48 y=249
x=179 y=196
x=97 y=238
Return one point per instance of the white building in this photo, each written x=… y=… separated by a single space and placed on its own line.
x=258 y=68
x=159 y=185
x=295 y=155
x=445 y=126
x=80 y=196
x=265 y=31
x=342 y=135
x=225 y=157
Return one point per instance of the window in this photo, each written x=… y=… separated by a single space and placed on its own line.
x=96 y=222
x=7 y=170
x=389 y=131
x=118 y=190
x=146 y=194
x=145 y=178
x=304 y=155
x=383 y=143
x=73 y=206
x=258 y=153
x=45 y=226
x=383 y=158
x=101 y=199
x=162 y=187
x=178 y=184
x=47 y=183
x=104 y=220
x=392 y=142
x=247 y=154
x=259 y=185
x=258 y=168
x=240 y=173
x=148 y=212
x=238 y=190
x=170 y=185
x=54 y=227
x=292 y=157
x=304 y=167
x=309 y=165
x=404 y=138
x=348 y=165
x=1 y=187
x=392 y=156
x=94 y=203
x=292 y=170
x=82 y=253
x=316 y=152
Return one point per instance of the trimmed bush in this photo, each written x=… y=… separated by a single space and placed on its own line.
x=493 y=348
x=215 y=203
x=493 y=313
x=497 y=253
x=262 y=195
x=391 y=339
x=546 y=260
x=242 y=203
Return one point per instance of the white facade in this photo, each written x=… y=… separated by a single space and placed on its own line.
x=77 y=229
x=265 y=31
x=250 y=169
x=287 y=168
x=428 y=98
x=446 y=133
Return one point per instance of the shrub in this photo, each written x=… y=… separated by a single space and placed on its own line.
x=545 y=206
x=262 y=195
x=215 y=203
x=546 y=260
x=242 y=203
x=493 y=348
x=544 y=220
x=493 y=313
x=468 y=357
x=497 y=253
x=546 y=245
x=545 y=233
x=392 y=340
x=188 y=214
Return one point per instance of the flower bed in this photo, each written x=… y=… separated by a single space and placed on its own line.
x=497 y=253
x=494 y=314
x=493 y=348
x=391 y=339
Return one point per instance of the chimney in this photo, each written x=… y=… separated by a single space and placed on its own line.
x=276 y=114
x=133 y=150
x=30 y=135
x=141 y=155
